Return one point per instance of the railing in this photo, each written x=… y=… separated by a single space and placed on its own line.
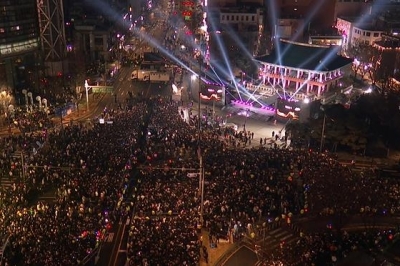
x=3 y=248
x=268 y=91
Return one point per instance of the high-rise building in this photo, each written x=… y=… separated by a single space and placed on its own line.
x=19 y=47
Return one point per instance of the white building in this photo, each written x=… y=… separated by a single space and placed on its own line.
x=358 y=31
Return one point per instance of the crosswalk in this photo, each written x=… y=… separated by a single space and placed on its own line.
x=110 y=237
x=270 y=240
x=6 y=183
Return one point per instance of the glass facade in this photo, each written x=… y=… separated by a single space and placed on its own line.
x=19 y=44
x=19 y=29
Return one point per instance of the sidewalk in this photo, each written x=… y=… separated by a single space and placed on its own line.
x=80 y=114
x=214 y=254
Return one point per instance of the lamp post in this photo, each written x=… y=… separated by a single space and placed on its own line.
x=322 y=134
x=30 y=95
x=44 y=101
x=39 y=99
x=201 y=187
x=200 y=154
x=25 y=93
x=87 y=95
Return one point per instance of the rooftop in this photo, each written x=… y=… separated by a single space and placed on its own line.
x=366 y=22
x=305 y=56
x=152 y=58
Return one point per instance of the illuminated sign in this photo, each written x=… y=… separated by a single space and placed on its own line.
x=288 y=109
x=212 y=92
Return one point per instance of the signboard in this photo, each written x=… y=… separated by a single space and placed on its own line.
x=288 y=109
x=102 y=89
x=65 y=110
x=212 y=92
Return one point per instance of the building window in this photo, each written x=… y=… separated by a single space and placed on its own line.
x=253 y=18
x=242 y=18
x=232 y=17
x=376 y=34
x=237 y=17
x=223 y=17
x=247 y=18
x=368 y=34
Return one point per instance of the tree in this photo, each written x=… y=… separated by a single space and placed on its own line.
x=299 y=133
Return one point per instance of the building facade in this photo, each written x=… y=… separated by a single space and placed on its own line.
x=358 y=31
x=19 y=48
x=249 y=19
x=301 y=71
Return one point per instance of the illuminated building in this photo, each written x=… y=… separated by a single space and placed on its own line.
x=19 y=46
x=326 y=40
x=356 y=31
x=298 y=72
x=388 y=62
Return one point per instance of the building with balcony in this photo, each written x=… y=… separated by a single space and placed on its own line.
x=299 y=71
x=19 y=48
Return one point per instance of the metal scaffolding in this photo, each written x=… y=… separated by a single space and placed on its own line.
x=52 y=30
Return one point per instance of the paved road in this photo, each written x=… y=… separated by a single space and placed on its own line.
x=266 y=240
x=243 y=257
x=114 y=252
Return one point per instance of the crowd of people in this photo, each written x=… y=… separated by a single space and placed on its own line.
x=151 y=156
x=330 y=248
x=86 y=169
x=244 y=187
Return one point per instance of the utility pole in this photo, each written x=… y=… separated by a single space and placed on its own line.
x=201 y=189
x=20 y=155
x=322 y=134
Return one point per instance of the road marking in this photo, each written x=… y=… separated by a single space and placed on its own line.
x=110 y=237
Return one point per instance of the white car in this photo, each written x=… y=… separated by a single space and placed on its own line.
x=229 y=125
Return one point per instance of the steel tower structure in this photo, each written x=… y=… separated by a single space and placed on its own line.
x=52 y=35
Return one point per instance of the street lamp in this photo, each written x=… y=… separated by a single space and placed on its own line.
x=39 y=99
x=322 y=134
x=30 y=96
x=87 y=95
x=44 y=101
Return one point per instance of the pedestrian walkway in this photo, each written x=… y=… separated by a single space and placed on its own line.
x=6 y=182
x=215 y=253
x=268 y=240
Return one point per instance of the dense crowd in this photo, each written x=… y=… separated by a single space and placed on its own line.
x=28 y=122
x=86 y=168
x=244 y=187
x=330 y=247
x=149 y=154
